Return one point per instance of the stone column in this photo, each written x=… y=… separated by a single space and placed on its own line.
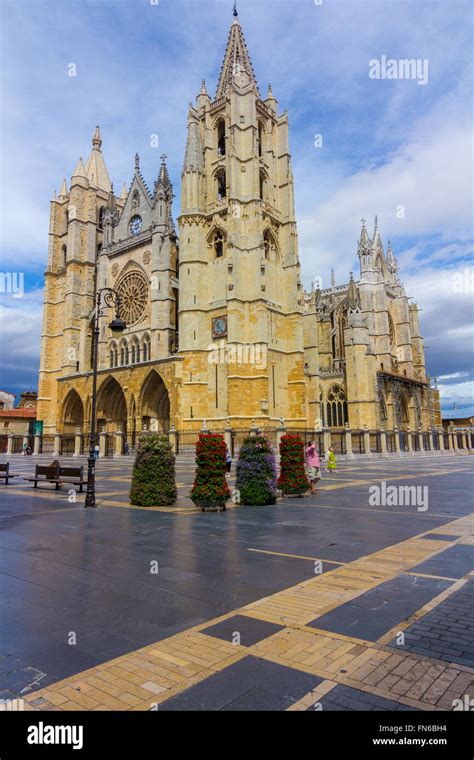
x=253 y=429
x=326 y=440
x=9 y=444
x=468 y=440
x=118 y=443
x=102 y=442
x=420 y=440
x=173 y=439
x=281 y=430
x=464 y=439
x=431 y=440
x=454 y=440
x=397 y=441
x=410 y=442
x=367 y=450
x=348 y=434
x=383 y=441
x=77 y=443
x=441 y=439
x=228 y=436
x=57 y=445
x=36 y=444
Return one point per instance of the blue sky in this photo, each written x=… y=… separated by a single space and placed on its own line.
x=385 y=143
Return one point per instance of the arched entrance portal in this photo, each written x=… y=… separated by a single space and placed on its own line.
x=73 y=413
x=155 y=404
x=111 y=407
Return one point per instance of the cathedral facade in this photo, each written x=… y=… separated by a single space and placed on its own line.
x=219 y=330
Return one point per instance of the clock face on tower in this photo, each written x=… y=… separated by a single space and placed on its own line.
x=219 y=327
x=135 y=225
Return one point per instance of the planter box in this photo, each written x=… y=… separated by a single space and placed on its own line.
x=215 y=506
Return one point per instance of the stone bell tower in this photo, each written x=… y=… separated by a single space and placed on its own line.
x=240 y=326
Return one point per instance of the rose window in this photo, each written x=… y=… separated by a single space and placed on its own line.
x=133 y=294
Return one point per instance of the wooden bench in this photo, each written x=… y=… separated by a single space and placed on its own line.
x=58 y=475
x=5 y=473
x=73 y=475
x=45 y=474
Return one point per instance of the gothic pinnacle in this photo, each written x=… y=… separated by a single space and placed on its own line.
x=97 y=140
x=79 y=171
x=63 y=191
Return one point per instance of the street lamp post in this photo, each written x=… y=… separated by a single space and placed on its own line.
x=105 y=298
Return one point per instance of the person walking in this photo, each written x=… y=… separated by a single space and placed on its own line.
x=331 y=460
x=313 y=466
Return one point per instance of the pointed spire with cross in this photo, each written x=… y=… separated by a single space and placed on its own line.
x=236 y=60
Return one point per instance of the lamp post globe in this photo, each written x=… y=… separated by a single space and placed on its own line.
x=117 y=326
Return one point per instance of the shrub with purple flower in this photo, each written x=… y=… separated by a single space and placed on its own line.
x=256 y=472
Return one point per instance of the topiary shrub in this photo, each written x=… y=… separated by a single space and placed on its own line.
x=292 y=478
x=256 y=472
x=153 y=477
x=210 y=485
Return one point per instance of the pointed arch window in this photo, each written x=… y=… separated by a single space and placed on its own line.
x=124 y=354
x=135 y=351
x=221 y=180
x=341 y=323
x=263 y=186
x=64 y=254
x=146 y=348
x=391 y=332
x=113 y=354
x=261 y=139
x=102 y=211
x=336 y=407
x=220 y=128
x=269 y=245
x=218 y=243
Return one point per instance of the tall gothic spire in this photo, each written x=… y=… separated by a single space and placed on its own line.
x=236 y=60
x=96 y=170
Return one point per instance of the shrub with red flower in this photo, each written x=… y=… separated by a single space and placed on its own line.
x=292 y=478
x=210 y=483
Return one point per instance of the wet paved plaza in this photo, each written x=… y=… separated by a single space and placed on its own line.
x=257 y=608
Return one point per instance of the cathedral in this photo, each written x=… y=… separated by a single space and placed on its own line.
x=227 y=277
